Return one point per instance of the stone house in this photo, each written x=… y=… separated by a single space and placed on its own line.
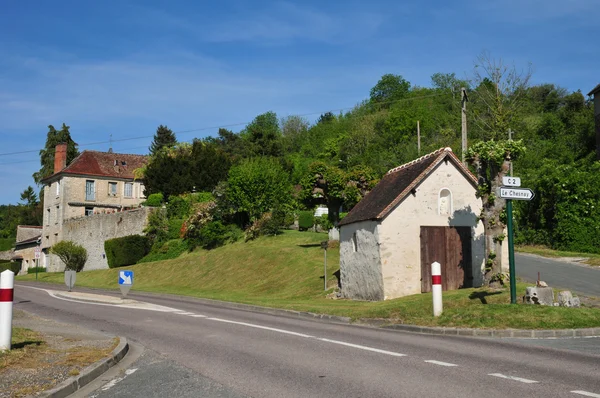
x=420 y=212
x=93 y=185
x=596 y=93
x=28 y=238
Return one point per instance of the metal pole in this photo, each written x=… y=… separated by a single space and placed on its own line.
x=511 y=252
x=325 y=271
x=436 y=288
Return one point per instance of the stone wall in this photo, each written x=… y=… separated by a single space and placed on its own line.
x=360 y=269
x=92 y=231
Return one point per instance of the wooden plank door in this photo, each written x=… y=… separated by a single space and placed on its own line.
x=433 y=248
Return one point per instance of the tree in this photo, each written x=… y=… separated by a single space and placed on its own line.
x=163 y=137
x=491 y=160
x=335 y=187
x=54 y=138
x=388 y=89
x=169 y=171
x=31 y=209
x=499 y=95
x=293 y=130
x=210 y=165
x=29 y=197
x=73 y=255
x=263 y=132
x=258 y=185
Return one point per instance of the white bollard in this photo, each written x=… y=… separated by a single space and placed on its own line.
x=436 y=288
x=7 y=281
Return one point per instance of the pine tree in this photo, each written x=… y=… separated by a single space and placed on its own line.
x=54 y=138
x=164 y=137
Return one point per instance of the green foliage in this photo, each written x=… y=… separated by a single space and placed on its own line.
x=54 y=138
x=324 y=222
x=167 y=251
x=257 y=186
x=34 y=270
x=71 y=254
x=175 y=227
x=264 y=135
x=154 y=200
x=14 y=266
x=181 y=206
x=269 y=224
x=210 y=165
x=170 y=171
x=214 y=234
x=157 y=228
x=389 y=88
x=127 y=250
x=202 y=214
x=306 y=219
x=164 y=137
x=6 y=244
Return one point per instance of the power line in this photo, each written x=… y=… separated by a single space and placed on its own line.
x=218 y=127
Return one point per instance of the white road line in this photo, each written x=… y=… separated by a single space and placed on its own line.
x=440 y=363
x=522 y=380
x=362 y=347
x=184 y=313
x=260 y=327
x=587 y=394
x=198 y=316
x=113 y=382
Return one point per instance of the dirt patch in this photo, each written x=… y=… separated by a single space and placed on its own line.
x=45 y=353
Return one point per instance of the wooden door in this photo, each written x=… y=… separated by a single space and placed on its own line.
x=451 y=247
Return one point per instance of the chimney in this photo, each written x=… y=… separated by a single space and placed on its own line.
x=60 y=157
x=596 y=93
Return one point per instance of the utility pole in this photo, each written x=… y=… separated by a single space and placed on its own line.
x=418 y=138
x=510 y=133
x=464 y=100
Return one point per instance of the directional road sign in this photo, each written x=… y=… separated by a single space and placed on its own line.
x=70 y=276
x=511 y=181
x=125 y=281
x=516 y=193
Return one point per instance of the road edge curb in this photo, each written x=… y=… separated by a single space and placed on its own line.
x=90 y=373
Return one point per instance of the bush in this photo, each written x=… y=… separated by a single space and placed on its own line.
x=127 y=250
x=155 y=200
x=169 y=250
x=157 y=229
x=268 y=224
x=14 y=266
x=212 y=235
x=32 y=270
x=175 y=226
x=306 y=220
x=324 y=222
x=73 y=255
x=201 y=215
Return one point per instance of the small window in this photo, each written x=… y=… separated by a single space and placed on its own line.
x=128 y=190
x=89 y=211
x=90 y=190
x=112 y=189
x=57 y=215
x=57 y=187
x=354 y=242
x=445 y=202
x=48 y=216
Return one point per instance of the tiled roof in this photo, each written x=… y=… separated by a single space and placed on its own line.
x=399 y=182
x=104 y=164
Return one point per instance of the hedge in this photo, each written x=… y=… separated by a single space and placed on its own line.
x=306 y=219
x=127 y=250
x=13 y=266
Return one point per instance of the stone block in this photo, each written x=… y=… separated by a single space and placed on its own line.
x=566 y=299
x=539 y=295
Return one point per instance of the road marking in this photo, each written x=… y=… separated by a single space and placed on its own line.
x=362 y=347
x=114 y=382
x=198 y=316
x=522 y=380
x=440 y=363
x=184 y=313
x=260 y=327
x=587 y=394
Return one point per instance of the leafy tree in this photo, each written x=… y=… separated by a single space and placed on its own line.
x=388 y=89
x=491 y=160
x=54 y=138
x=169 y=171
x=29 y=197
x=164 y=137
x=236 y=147
x=31 y=209
x=335 y=187
x=210 y=165
x=294 y=129
x=263 y=132
x=72 y=255
x=257 y=186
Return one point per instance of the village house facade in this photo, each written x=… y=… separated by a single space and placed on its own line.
x=420 y=212
x=28 y=238
x=95 y=183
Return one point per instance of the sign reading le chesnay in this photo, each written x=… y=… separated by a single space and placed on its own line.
x=516 y=193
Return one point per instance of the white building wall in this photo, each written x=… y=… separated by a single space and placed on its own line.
x=399 y=239
x=360 y=270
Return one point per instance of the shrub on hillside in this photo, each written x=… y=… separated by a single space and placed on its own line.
x=175 y=226
x=157 y=228
x=127 y=250
x=73 y=255
x=324 y=222
x=169 y=250
x=154 y=200
x=201 y=215
x=14 y=266
x=212 y=235
x=306 y=219
x=269 y=223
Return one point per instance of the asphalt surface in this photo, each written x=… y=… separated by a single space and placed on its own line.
x=560 y=274
x=210 y=349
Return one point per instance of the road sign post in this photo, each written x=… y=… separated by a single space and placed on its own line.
x=509 y=193
x=37 y=260
x=125 y=282
x=70 y=277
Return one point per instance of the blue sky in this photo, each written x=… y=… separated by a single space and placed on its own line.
x=124 y=67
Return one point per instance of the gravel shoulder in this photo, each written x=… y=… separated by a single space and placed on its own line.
x=55 y=352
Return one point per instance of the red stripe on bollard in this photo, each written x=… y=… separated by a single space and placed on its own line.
x=6 y=295
x=436 y=279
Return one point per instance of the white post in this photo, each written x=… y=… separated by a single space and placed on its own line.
x=436 y=288
x=7 y=281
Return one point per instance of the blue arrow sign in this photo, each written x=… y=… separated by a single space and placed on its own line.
x=126 y=278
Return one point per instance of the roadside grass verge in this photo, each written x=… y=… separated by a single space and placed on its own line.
x=286 y=272
x=590 y=258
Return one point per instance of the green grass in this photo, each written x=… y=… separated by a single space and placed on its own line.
x=591 y=258
x=286 y=272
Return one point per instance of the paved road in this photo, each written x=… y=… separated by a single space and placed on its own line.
x=244 y=353
x=560 y=274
